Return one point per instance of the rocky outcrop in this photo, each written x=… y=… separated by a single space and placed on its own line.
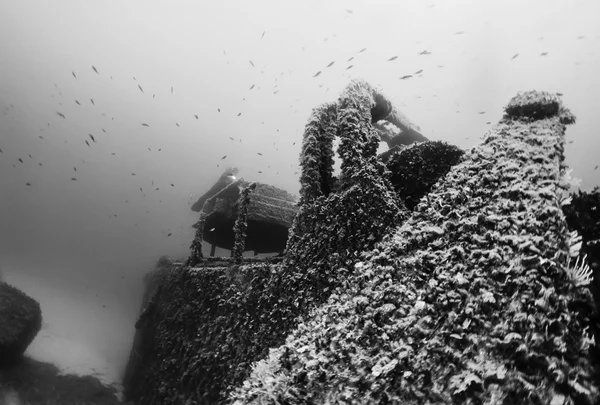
x=20 y=322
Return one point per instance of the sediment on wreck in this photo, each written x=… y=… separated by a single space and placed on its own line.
x=469 y=301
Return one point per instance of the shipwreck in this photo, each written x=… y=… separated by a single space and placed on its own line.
x=425 y=275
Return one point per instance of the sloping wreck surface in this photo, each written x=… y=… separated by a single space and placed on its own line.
x=471 y=300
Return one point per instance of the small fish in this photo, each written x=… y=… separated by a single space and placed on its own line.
x=317 y=74
x=223 y=157
x=113 y=153
x=263 y=35
x=177 y=124
x=212 y=229
x=141 y=190
x=172 y=185
x=1 y=151
x=392 y=58
x=224 y=53
x=543 y=53
x=218 y=109
x=350 y=59
x=87 y=143
x=580 y=37
x=78 y=103
x=154 y=95
x=40 y=163
x=406 y=77
x=349 y=11
x=171 y=89
x=239 y=114
x=231 y=138
x=418 y=71
x=20 y=160
x=514 y=56
x=74 y=75
x=350 y=67
x=330 y=64
x=259 y=153
x=252 y=63
x=481 y=112
x=489 y=122
x=459 y=32
x=425 y=52
x=169 y=234
x=145 y=125
x=362 y=50
x=251 y=87
x=92 y=137
x=61 y=115
x=92 y=100
x=559 y=94
x=73 y=179
x=28 y=184
x=260 y=171
x=195 y=115
x=74 y=168
x=596 y=168
x=95 y=70
x=140 y=87
x=103 y=130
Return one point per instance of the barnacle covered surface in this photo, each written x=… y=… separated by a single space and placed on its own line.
x=316 y=178
x=416 y=168
x=196 y=245
x=468 y=301
x=331 y=229
x=538 y=105
x=241 y=224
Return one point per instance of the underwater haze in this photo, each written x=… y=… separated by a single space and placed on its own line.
x=116 y=116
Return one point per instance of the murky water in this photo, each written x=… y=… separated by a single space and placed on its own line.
x=79 y=335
